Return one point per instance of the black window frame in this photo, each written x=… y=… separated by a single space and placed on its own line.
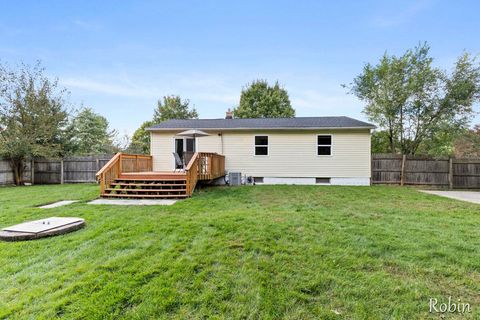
x=330 y=146
x=262 y=146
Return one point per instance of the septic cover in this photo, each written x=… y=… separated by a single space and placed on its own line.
x=41 y=228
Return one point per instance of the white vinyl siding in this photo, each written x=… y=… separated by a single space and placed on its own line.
x=290 y=153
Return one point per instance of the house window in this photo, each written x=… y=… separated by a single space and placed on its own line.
x=261 y=145
x=324 y=145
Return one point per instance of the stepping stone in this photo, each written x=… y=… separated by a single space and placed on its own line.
x=58 y=204
x=41 y=228
x=130 y=202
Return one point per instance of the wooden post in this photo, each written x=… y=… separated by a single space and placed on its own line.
x=450 y=173
x=119 y=169
x=61 y=172
x=402 y=173
x=120 y=164
x=102 y=183
x=97 y=165
x=32 y=171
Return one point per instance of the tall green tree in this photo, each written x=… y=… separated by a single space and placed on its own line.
x=467 y=145
x=173 y=107
x=89 y=133
x=260 y=100
x=169 y=107
x=140 y=142
x=421 y=107
x=380 y=142
x=32 y=116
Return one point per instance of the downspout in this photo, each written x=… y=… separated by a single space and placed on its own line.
x=221 y=142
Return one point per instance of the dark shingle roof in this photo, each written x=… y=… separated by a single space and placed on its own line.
x=264 y=123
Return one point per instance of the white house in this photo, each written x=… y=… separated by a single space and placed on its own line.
x=302 y=150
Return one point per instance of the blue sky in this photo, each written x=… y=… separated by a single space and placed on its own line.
x=119 y=57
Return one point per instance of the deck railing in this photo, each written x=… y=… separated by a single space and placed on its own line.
x=211 y=165
x=204 y=166
x=191 y=172
x=136 y=163
x=122 y=162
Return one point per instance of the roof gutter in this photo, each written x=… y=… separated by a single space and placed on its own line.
x=278 y=128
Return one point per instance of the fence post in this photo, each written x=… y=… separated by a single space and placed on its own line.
x=450 y=173
x=402 y=173
x=371 y=168
x=32 y=171
x=61 y=172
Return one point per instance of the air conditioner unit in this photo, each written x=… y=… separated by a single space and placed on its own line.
x=235 y=178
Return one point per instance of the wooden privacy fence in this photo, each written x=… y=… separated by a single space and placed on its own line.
x=54 y=171
x=6 y=173
x=386 y=169
x=421 y=170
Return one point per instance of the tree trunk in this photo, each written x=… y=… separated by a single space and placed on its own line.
x=18 y=168
x=391 y=137
x=392 y=142
x=402 y=140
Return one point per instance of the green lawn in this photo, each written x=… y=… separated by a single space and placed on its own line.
x=263 y=252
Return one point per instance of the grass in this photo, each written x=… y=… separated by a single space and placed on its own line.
x=264 y=252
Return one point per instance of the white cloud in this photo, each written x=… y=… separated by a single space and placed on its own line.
x=116 y=89
x=402 y=16
x=229 y=99
x=204 y=90
x=310 y=102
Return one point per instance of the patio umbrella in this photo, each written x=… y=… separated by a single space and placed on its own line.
x=194 y=133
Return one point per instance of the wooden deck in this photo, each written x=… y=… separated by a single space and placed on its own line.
x=131 y=176
x=152 y=175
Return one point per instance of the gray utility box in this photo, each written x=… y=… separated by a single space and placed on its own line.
x=235 y=178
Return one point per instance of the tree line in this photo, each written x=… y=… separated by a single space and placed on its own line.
x=420 y=108
x=257 y=100
x=37 y=120
x=417 y=107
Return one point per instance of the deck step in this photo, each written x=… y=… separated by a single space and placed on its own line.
x=151 y=186
x=156 y=184
x=152 y=178
x=109 y=195
x=147 y=190
x=159 y=181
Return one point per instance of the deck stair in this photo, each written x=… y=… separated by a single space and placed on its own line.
x=143 y=188
x=130 y=176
